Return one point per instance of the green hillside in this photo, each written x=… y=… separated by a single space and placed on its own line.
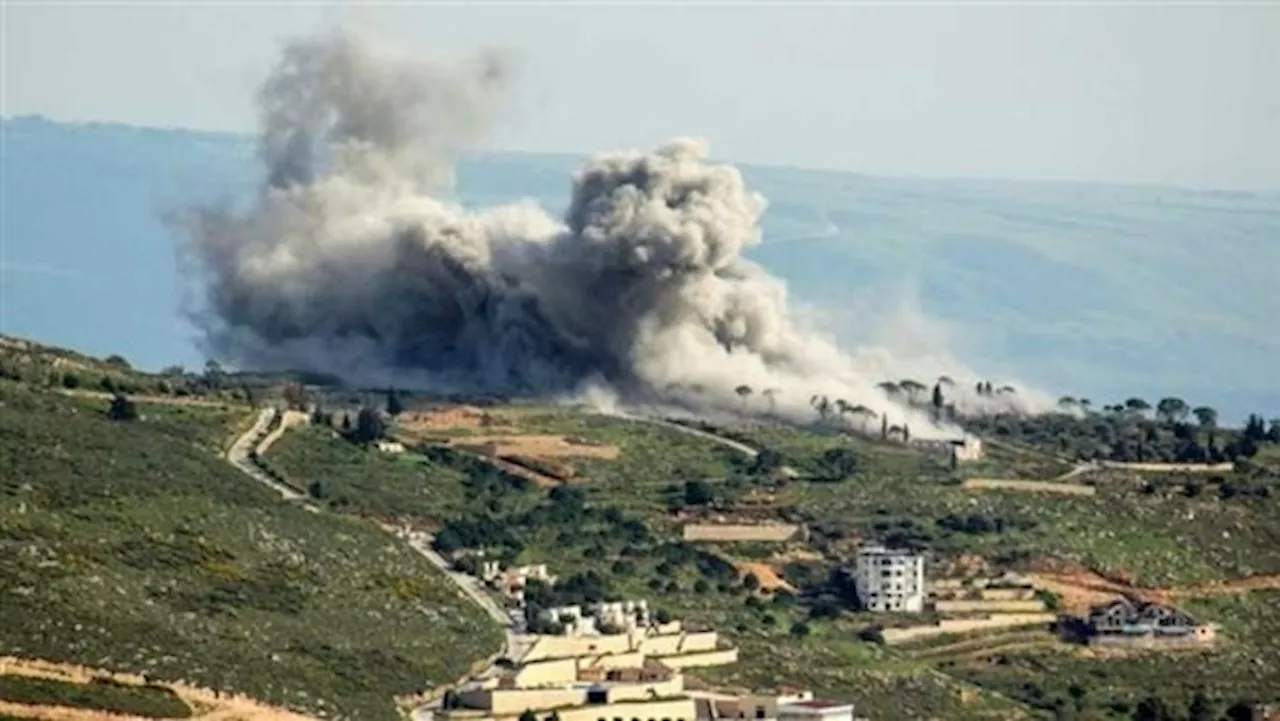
x=614 y=531
x=132 y=545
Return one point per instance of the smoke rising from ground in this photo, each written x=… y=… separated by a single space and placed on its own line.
x=350 y=261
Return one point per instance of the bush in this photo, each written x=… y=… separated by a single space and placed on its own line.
x=799 y=629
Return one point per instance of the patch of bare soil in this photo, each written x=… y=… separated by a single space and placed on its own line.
x=535 y=446
x=206 y=704
x=446 y=419
x=766 y=574
x=1080 y=588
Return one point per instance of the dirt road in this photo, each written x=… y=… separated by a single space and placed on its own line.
x=240 y=456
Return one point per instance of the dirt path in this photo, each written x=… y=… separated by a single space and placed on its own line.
x=1081 y=589
x=159 y=400
x=241 y=456
x=207 y=705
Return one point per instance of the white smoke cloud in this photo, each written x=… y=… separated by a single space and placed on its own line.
x=350 y=261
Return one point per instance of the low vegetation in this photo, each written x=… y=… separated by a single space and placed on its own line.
x=99 y=695
x=133 y=546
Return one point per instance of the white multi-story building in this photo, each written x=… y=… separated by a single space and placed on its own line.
x=890 y=579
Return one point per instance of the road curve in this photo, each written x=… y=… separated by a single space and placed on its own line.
x=240 y=455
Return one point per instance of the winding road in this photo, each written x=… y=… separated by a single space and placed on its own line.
x=258 y=438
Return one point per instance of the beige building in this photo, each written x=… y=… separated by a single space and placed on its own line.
x=624 y=677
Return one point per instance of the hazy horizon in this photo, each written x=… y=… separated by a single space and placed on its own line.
x=1171 y=96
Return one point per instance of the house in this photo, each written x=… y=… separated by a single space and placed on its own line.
x=1126 y=622
x=960 y=450
x=890 y=580
x=600 y=618
x=816 y=710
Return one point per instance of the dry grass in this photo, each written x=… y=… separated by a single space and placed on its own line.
x=731 y=533
x=543 y=446
x=1000 y=484
x=207 y=705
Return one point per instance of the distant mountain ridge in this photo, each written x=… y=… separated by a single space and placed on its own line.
x=1101 y=291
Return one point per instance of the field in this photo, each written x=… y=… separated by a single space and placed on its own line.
x=1001 y=484
x=131 y=545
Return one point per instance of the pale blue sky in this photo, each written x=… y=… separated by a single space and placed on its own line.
x=1185 y=95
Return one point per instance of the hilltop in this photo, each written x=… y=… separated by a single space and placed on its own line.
x=1068 y=286
x=132 y=544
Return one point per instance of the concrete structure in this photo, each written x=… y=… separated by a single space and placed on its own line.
x=890 y=580
x=960 y=450
x=816 y=710
x=601 y=618
x=621 y=677
x=511 y=583
x=1146 y=625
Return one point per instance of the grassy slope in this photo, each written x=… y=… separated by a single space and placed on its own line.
x=132 y=546
x=1247 y=666
x=148 y=701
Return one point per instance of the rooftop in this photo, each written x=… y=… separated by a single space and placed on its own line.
x=882 y=551
x=819 y=703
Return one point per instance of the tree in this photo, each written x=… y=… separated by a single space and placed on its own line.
x=912 y=388
x=906 y=433
x=369 y=426
x=1172 y=410
x=394 y=406
x=213 y=374
x=771 y=395
x=799 y=629
x=1201 y=708
x=697 y=493
x=750 y=582
x=744 y=392
x=1205 y=416
x=863 y=414
x=1067 y=403
x=938 y=401
x=1152 y=708
x=1137 y=405
x=316 y=490
x=884 y=427
x=118 y=361
x=528 y=715
x=346 y=423
x=122 y=409
x=822 y=404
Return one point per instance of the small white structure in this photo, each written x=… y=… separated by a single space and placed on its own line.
x=623 y=615
x=890 y=580
x=390 y=446
x=600 y=618
x=815 y=710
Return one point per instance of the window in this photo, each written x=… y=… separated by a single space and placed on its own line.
x=759 y=711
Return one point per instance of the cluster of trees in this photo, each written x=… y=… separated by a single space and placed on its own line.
x=1134 y=431
x=978 y=524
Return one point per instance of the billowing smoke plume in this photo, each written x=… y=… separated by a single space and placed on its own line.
x=350 y=262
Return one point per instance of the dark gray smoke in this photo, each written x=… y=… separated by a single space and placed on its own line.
x=348 y=262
